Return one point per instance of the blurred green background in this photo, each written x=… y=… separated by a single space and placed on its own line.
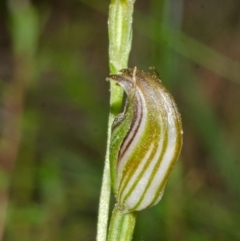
x=54 y=111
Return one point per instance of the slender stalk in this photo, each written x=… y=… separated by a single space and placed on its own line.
x=121 y=226
x=120 y=39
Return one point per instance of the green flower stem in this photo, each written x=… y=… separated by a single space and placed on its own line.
x=121 y=226
x=120 y=33
x=120 y=39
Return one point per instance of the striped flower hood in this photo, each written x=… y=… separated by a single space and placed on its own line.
x=146 y=140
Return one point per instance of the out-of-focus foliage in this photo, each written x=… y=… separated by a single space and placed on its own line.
x=54 y=109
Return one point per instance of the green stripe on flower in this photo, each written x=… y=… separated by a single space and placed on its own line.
x=146 y=140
